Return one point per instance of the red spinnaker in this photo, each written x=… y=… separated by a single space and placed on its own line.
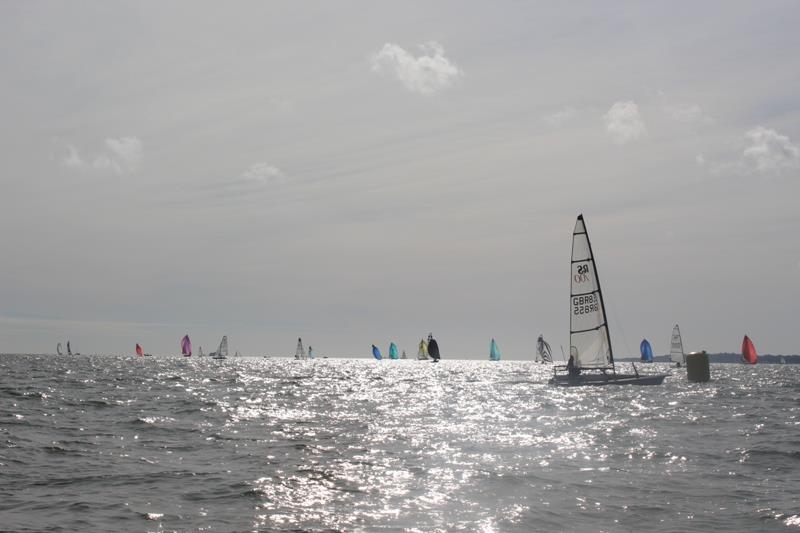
x=139 y=350
x=749 y=351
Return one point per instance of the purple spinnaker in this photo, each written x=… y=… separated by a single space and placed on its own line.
x=186 y=346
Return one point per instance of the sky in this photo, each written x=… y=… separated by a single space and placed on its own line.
x=357 y=173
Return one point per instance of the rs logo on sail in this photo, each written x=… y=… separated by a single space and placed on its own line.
x=582 y=275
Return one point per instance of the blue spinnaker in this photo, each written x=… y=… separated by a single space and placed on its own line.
x=647 y=351
x=494 y=352
x=376 y=352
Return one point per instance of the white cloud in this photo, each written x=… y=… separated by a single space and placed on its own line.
x=689 y=113
x=559 y=118
x=120 y=156
x=769 y=151
x=624 y=123
x=262 y=173
x=426 y=74
x=73 y=160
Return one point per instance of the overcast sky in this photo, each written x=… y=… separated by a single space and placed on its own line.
x=365 y=172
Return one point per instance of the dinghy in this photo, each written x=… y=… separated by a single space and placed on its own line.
x=139 y=350
x=749 y=354
x=186 y=346
x=647 y=351
x=494 y=351
x=376 y=353
x=310 y=352
x=222 y=351
x=393 y=351
x=58 y=349
x=676 y=354
x=422 y=353
x=433 y=349
x=591 y=358
x=300 y=352
x=543 y=352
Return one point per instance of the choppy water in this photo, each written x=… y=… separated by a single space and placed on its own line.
x=125 y=444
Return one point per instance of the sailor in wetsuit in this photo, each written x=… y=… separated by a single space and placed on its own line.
x=571 y=368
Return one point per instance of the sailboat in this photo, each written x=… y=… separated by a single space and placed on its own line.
x=543 y=352
x=300 y=353
x=422 y=352
x=494 y=351
x=591 y=358
x=58 y=349
x=376 y=353
x=676 y=354
x=186 y=346
x=222 y=351
x=139 y=350
x=310 y=352
x=237 y=354
x=646 y=350
x=200 y=352
x=749 y=354
x=69 y=350
x=393 y=351
x=433 y=349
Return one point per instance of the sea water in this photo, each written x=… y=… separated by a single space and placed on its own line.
x=107 y=443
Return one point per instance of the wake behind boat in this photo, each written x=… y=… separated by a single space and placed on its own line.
x=591 y=358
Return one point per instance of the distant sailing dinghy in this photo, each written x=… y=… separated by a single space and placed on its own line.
x=433 y=349
x=422 y=353
x=494 y=351
x=58 y=349
x=646 y=350
x=543 y=352
x=676 y=354
x=591 y=357
x=393 y=351
x=403 y=355
x=139 y=350
x=749 y=354
x=200 y=352
x=300 y=353
x=310 y=352
x=376 y=353
x=69 y=350
x=186 y=346
x=222 y=351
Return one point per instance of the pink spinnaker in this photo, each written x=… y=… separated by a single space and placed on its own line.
x=186 y=346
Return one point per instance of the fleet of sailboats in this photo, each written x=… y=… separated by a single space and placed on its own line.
x=591 y=357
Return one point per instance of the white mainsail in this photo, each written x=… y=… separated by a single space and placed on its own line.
x=590 y=344
x=222 y=351
x=58 y=349
x=676 y=353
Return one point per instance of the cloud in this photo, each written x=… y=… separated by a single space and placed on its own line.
x=624 y=123
x=120 y=156
x=688 y=113
x=426 y=74
x=769 y=152
x=262 y=173
x=559 y=118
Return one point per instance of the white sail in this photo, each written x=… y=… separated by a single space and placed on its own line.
x=300 y=353
x=223 y=347
x=58 y=349
x=200 y=351
x=590 y=344
x=676 y=353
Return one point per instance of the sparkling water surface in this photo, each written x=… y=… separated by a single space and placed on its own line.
x=106 y=443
